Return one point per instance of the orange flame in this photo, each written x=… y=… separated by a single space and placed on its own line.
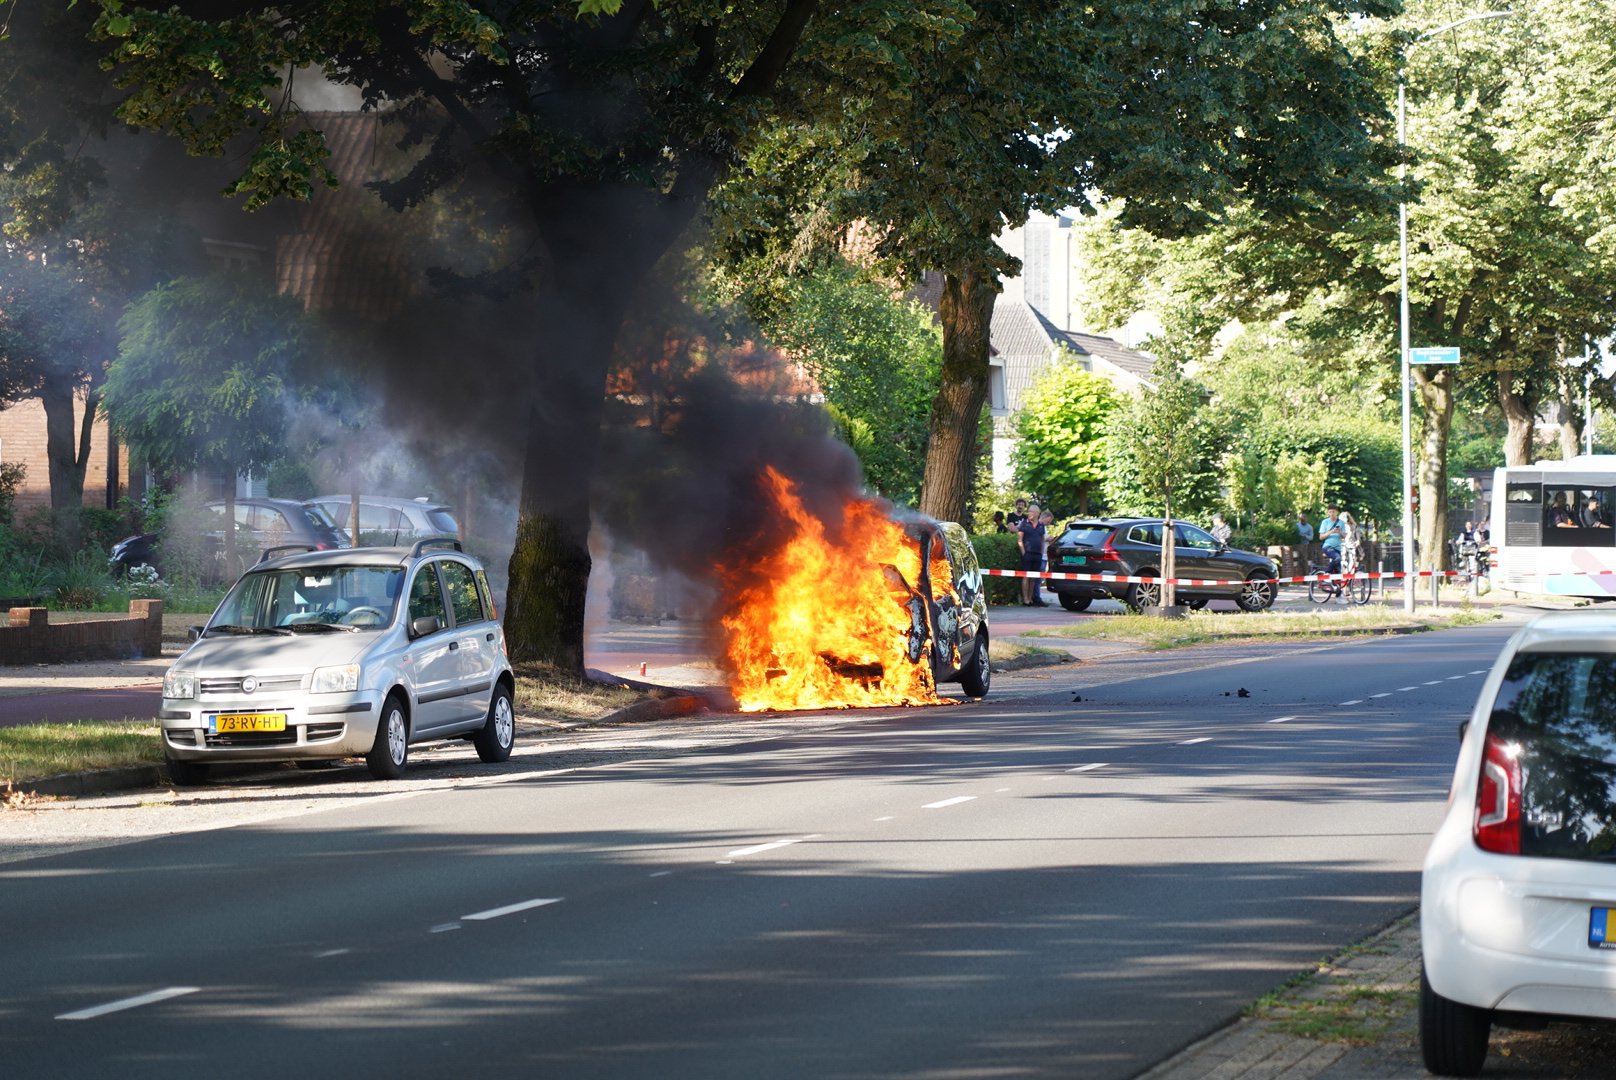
x=820 y=623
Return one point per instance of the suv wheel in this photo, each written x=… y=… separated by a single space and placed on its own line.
x=978 y=675
x=498 y=733
x=1143 y=594
x=1453 y=1037
x=1257 y=594
x=392 y=746
x=1074 y=603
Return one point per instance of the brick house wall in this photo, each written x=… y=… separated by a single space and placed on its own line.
x=22 y=439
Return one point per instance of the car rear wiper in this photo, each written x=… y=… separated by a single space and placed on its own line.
x=311 y=626
x=233 y=628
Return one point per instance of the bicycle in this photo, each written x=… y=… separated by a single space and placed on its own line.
x=1353 y=587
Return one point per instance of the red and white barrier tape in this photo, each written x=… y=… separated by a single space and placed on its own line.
x=1301 y=580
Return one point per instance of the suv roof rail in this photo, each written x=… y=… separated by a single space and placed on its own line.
x=446 y=542
x=274 y=552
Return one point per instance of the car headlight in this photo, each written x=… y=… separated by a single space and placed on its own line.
x=335 y=680
x=179 y=684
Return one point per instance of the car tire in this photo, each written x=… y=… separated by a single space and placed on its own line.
x=1143 y=594
x=1453 y=1036
x=978 y=674
x=391 y=749
x=185 y=773
x=1256 y=594
x=498 y=733
x=1074 y=603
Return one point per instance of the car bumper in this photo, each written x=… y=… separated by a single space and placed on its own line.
x=327 y=726
x=1517 y=945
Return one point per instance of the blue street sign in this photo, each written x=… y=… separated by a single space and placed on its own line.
x=1445 y=355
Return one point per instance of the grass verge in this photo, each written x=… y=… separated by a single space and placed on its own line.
x=1200 y=627
x=548 y=692
x=34 y=751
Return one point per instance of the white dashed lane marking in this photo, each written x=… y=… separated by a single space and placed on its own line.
x=1282 y=719
x=511 y=909
x=955 y=801
x=1192 y=742
x=755 y=849
x=1386 y=694
x=1406 y=689
x=1089 y=767
x=1354 y=701
x=130 y=1003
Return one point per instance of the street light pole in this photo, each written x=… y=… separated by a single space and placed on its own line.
x=1402 y=302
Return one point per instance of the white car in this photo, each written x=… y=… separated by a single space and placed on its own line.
x=329 y=654
x=1518 y=897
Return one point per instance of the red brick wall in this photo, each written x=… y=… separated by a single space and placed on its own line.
x=22 y=439
x=30 y=638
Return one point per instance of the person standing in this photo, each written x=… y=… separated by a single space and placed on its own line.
x=1220 y=530
x=1030 y=539
x=1018 y=515
x=998 y=522
x=1304 y=530
x=1351 y=537
x=1047 y=520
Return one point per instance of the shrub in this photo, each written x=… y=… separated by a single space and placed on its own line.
x=998 y=551
x=82 y=581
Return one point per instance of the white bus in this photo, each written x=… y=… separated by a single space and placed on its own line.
x=1551 y=530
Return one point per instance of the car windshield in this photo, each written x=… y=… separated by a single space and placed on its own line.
x=1558 y=709
x=308 y=600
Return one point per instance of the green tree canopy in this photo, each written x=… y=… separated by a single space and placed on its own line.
x=1061 y=449
x=876 y=357
x=204 y=373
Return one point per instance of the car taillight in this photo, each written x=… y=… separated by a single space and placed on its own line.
x=322 y=547
x=1498 y=798
x=1108 y=553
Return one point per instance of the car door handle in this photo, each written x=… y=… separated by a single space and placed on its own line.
x=453 y=645
x=488 y=637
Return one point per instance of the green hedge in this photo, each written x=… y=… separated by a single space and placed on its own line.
x=998 y=551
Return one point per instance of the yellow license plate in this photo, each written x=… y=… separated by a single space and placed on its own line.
x=264 y=721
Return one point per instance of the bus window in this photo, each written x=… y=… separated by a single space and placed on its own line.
x=1577 y=517
x=1523 y=515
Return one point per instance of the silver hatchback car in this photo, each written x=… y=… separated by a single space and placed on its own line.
x=328 y=654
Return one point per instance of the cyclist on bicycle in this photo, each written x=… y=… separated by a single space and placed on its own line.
x=1332 y=534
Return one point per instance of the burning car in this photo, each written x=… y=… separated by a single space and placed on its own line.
x=868 y=610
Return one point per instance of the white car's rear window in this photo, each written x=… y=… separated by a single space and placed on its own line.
x=1557 y=710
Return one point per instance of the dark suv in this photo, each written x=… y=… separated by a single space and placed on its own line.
x=1131 y=547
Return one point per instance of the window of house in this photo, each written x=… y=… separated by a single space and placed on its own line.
x=998 y=401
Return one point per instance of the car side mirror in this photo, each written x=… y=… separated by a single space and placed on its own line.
x=424 y=625
x=193 y=633
x=1464 y=729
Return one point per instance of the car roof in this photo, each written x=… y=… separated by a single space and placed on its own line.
x=362 y=556
x=383 y=500
x=260 y=500
x=1590 y=630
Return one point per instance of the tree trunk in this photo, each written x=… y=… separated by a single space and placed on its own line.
x=1436 y=396
x=954 y=445
x=231 y=570
x=67 y=449
x=1520 y=418
x=550 y=564
x=1568 y=411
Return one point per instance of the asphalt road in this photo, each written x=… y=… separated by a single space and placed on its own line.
x=1027 y=886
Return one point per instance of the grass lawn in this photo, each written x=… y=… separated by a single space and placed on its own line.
x=33 y=751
